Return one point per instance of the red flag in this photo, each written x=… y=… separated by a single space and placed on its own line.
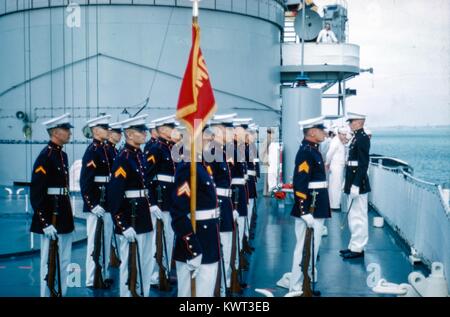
x=196 y=100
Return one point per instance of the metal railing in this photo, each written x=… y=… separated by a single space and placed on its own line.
x=269 y=10
x=417 y=210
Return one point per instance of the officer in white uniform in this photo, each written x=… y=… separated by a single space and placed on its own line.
x=335 y=164
x=49 y=196
x=357 y=187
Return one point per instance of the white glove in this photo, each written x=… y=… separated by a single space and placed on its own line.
x=50 y=232
x=194 y=265
x=156 y=211
x=98 y=211
x=309 y=219
x=130 y=234
x=235 y=215
x=354 y=191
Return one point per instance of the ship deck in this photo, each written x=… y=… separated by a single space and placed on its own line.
x=274 y=243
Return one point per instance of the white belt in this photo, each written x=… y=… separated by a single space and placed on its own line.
x=138 y=193
x=238 y=181
x=101 y=179
x=57 y=191
x=256 y=160
x=352 y=163
x=246 y=176
x=252 y=173
x=226 y=192
x=206 y=214
x=317 y=185
x=165 y=178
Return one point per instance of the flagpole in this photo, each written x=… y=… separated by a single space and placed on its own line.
x=193 y=166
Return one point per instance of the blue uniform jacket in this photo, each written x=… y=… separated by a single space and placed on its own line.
x=128 y=173
x=250 y=155
x=50 y=170
x=238 y=170
x=159 y=162
x=95 y=162
x=359 y=152
x=309 y=167
x=205 y=240
x=220 y=172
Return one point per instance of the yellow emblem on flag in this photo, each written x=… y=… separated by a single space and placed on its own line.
x=151 y=158
x=91 y=163
x=303 y=167
x=300 y=195
x=40 y=169
x=120 y=172
x=184 y=190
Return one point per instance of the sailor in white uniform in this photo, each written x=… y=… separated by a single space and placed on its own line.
x=327 y=36
x=335 y=164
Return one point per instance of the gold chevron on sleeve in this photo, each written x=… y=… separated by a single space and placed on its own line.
x=120 y=172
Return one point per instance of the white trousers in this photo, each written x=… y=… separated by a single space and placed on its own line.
x=358 y=223
x=154 y=268
x=91 y=224
x=336 y=178
x=169 y=235
x=296 y=279
x=242 y=229
x=144 y=241
x=251 y=203
x=226 y=240
x=205 y=281
x=65 y=253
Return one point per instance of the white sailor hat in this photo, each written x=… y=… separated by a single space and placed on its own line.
x=168 y=121
x=137 y=123
x=102 y=121
x=223 y=119
x=312 y=123
x=58 y=122
x=151 y=125
x=242 y=122
x=116 y=127
x=355 y=116
x=343 y=129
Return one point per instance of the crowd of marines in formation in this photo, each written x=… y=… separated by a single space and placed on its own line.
x=137 y=202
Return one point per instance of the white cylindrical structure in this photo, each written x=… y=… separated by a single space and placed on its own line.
x=299 y=103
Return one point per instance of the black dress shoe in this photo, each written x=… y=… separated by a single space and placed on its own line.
x=353 y=255
x=344 y=251
x=336 y=209
x=316 y=293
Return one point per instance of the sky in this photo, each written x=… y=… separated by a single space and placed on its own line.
x=407 y=42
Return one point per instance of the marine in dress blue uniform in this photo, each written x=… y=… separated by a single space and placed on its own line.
x=127 y=185
x=50 y=189
x=309 y=181
x=115 y=135
x=94 y=177
x=357 y=187
x=220 y=171
x=196 y=253
x=238 y=167
x=160 y=173
x=250 y=155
